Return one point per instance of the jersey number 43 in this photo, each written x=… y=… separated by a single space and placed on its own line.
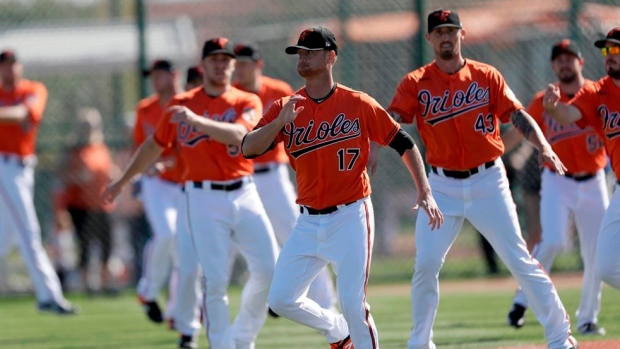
x=485 y=124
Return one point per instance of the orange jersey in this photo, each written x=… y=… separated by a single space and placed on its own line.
x=204 y=158
x=329 y=142
x=580 y=149
x=148 y=114
x=599 y=104
x=457 y=115
x=20 y=139
x=271 y=90
x=89 y=168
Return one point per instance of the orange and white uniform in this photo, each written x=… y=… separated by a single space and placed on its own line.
x=328 y=146
x=223 y=208
x=160 y=195
x=581 y=193
x=458 y=117
x=599 y=104
x=277 y=192
x=17 y=211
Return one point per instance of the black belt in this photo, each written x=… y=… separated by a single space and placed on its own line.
x=224 y=187
x=326 y=210
x=18 y=160
x=262 y=170
x=465 y=173
x=579 y=178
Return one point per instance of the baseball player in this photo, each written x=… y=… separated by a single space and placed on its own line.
x=457 y=104
x=223 y=206
x=21 y=108
x=326 y=129
x=271 y=171
x=159 y=194
x=598 y=105
x=187 y=307
x=581 y=192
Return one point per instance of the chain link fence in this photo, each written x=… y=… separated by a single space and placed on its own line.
x=87 y=54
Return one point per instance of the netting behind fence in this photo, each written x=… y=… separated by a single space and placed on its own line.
x=86 y=53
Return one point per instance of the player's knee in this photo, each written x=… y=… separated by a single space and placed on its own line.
x=552 y=246
x=607 y=271
x=428 y=265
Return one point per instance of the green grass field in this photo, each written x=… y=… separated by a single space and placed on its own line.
x=466 y=319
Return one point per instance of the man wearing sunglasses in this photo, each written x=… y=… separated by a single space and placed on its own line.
x=598 y=105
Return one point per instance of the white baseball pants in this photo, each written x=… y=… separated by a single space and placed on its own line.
x=608 y=244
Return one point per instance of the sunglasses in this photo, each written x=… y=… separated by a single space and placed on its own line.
x=612 y=50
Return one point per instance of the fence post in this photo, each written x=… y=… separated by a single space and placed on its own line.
x=141 y=26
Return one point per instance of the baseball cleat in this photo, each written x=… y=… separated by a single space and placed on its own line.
x=272 y=314
x=187 y=342
x=572 y=342
x=343 y=344
x=62 y=309
x=516 y=316
x=152 y=310
x=591 y=329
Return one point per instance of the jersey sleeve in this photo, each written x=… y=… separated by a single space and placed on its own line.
x=138 y=130
x=166 y=132
x=35 y=101
x=250 y=112
x=586 y=100
x=405 y=101
x=536 y=110
x=271 y=114
x=503 y=99
x=381 y=126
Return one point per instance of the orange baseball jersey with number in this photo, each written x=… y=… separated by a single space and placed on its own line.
x=599 y=104
x=270 y=90
x=457 y=115
x=205 y=158
x=329 y=142
x=20 y=139
x=89 y=168
x=580 y=149
x=148 y=113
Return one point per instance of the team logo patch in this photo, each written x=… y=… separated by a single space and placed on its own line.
x=249 y=114
x=443 y=15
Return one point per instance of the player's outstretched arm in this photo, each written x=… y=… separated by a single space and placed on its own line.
x=534 y=135
x=146 y=154
x=13 y=114
x=373 y=158
x=221 y=131
x=561 y=112
x=258 y=141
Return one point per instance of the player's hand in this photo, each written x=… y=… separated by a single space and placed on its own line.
x=111 y=192
x=155 y=169
x=181 y=113
x=428 y=204
x=289 y=110
x=546 y=154
x=551 y=97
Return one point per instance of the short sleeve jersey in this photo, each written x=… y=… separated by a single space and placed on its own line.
x=599 y=104
x=205 y=158
x=457 y=115
x=20 y=139
x=580 y=149
x=329 y=142
x=270 y=90
x=148 y=113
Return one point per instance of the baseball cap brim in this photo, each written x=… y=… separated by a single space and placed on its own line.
x=224 y=51
x=601 y=43
x=291 y=50
x=448 y=25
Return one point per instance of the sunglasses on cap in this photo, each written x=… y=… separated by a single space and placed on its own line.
x=611 y=50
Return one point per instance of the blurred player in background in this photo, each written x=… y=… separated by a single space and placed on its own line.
x=22 y=103
x=223 y=206
x=598 y=105
x=581 y=193
x=271 y=174
x=159 y=194
x=84 y=171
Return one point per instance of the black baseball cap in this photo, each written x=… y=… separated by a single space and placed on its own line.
x=8 y=56
x=613 y=36
x=443 y=18
x=314 y=39
x=160 y=64
x=565 y=46
x=194 y=73
x=247 y=51
x=218 y=45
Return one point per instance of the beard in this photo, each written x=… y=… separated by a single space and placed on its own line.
x=567 y=77
x=613 y=73
x=446 y=52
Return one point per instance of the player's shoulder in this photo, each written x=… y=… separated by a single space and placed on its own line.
x=186 y=96
x=31 y=85
x=484 y=68
x=346 y=91
x=147 y=102
x=242 y=96
x=421 y=73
